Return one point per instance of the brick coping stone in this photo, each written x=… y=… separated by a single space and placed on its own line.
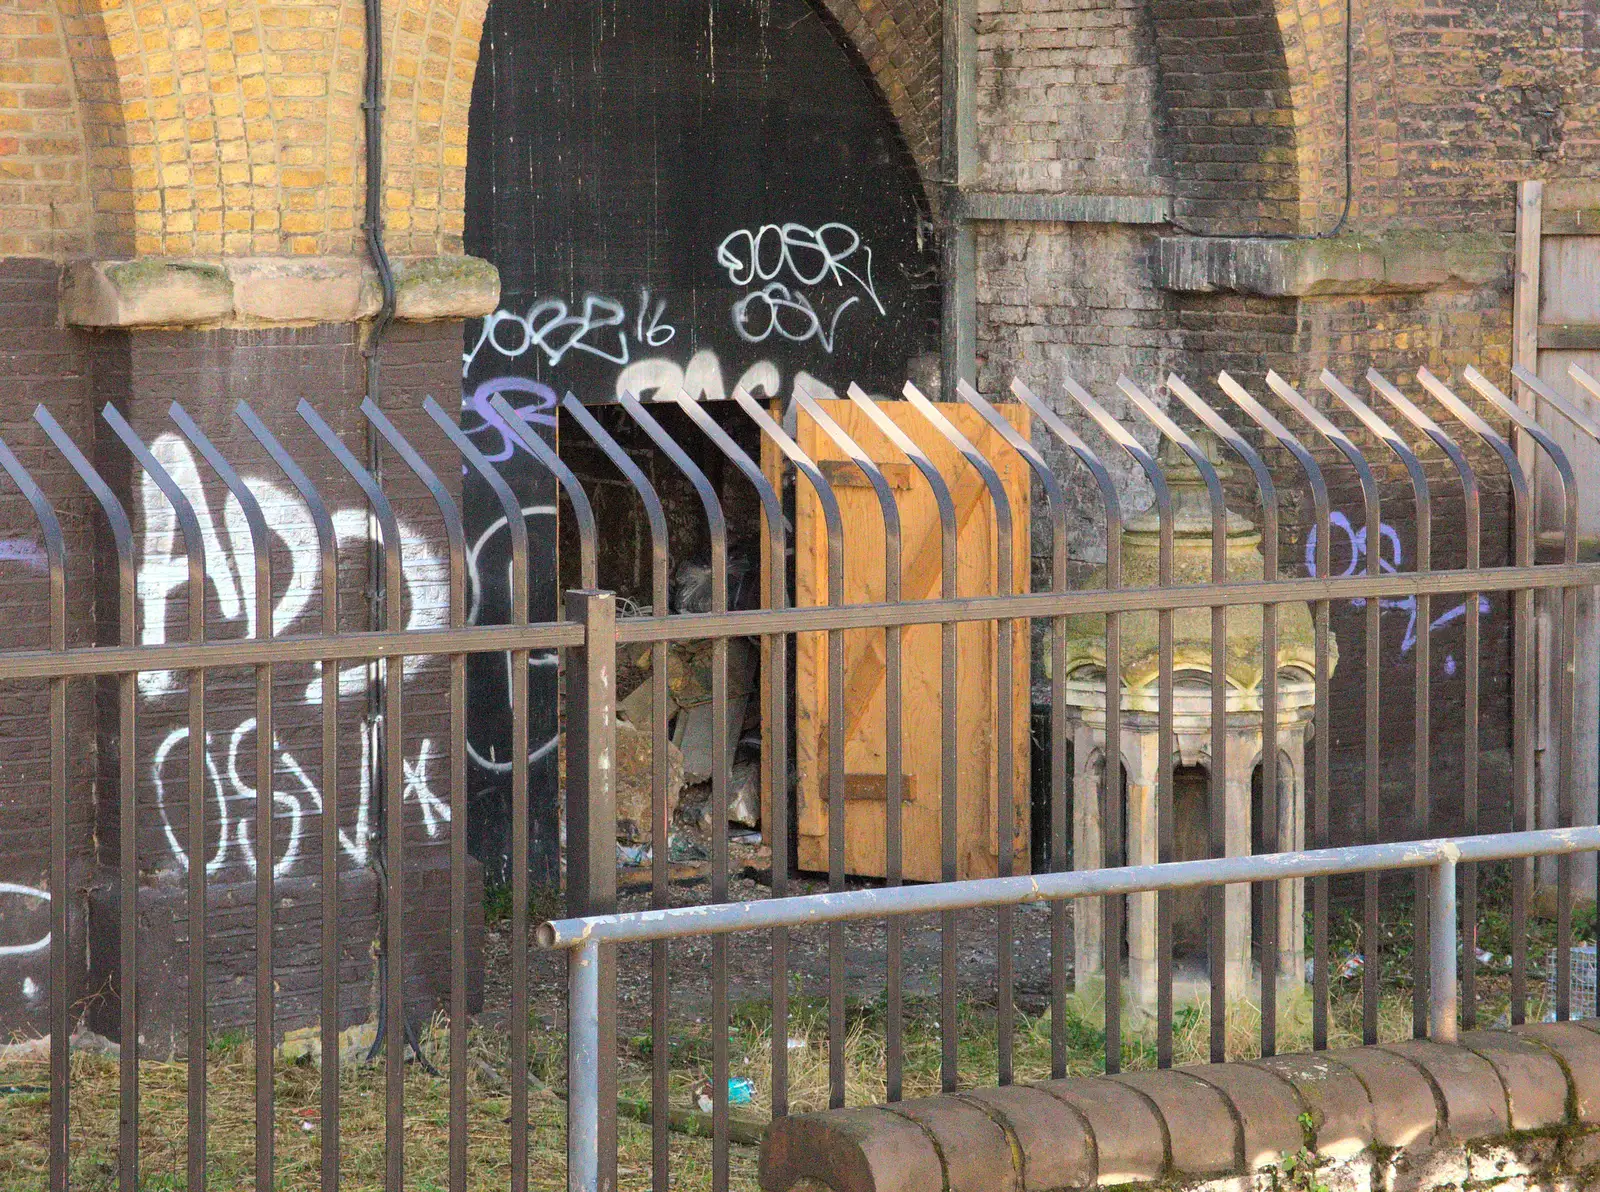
x=1505 y=1110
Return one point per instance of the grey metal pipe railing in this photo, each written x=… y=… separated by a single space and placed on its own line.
x=582 y=938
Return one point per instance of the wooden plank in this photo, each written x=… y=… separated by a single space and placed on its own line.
x=874 y=788
x=1569 y=337
x=842 y=473
x=1574 y=221
x=772 y=469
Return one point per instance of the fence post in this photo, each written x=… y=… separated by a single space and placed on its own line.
x=583 y=1068
x=592 y=879
x=1442 y=941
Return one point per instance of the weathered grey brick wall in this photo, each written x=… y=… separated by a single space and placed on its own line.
x=1066 y=97
x=1236 y=112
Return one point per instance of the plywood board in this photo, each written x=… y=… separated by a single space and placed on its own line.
x=865 y=699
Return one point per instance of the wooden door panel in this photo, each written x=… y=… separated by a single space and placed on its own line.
x=864 y=650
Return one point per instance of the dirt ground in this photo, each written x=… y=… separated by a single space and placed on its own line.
x=750 y=957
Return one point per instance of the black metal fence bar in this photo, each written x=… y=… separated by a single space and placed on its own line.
x=590 y=634
x=82 y=662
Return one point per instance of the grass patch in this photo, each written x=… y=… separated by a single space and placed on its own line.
x=24 y=1116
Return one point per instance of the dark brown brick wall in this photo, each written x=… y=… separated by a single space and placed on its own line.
x=39 y=362
x=208 y=372
x=1228 y=117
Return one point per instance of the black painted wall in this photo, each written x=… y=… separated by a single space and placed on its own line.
x=689 y=193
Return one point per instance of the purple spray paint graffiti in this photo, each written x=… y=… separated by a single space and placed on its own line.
x=1390 y=556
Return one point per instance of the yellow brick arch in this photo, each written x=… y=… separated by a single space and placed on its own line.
x=1314 y=50
x=44 y=196
x=221 y=127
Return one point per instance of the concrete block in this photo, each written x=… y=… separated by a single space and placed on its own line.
x=1535 y=1083
x=152 y=292
x=1404 y=1112
x=445 y=287
x=1412 y=262
x=1578 y=1050
x=1474 y=1099
x=1265 y=1105
x=1201 y=1130
x=977 y=1153
x=849 y=1150
x=300 y=289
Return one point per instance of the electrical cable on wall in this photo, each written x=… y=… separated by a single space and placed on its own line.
x=379 y=673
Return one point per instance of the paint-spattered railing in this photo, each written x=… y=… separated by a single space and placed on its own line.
x=590 y=634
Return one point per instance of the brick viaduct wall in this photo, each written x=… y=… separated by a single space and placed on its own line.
x=180 y=210
x=220 y=147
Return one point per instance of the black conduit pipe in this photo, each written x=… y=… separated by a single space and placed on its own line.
x=372 y=225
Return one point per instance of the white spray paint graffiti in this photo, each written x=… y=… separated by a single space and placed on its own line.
x=600 y=329
x=24 y=550
x=1390 y=556
x=763 y=257
x=13 y=890
x=536 y=658
x=766 y=253
x=230 y=570
x=701 y=380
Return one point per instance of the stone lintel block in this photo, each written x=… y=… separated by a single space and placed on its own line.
x=1054 y=1145
x=1578 y=1050
x=1341 y=1111
x=1393 y=263
x=152 y=292
x=1404 y=1113
x=1535 y=1083
x=298 y=289
x=270 y=291
x=1130 y=1140
x=1266 y=1108
x=1201 y=1130
x=977 y=1152
x=445 y=287
x=1474 y=1099
x=849 y=1150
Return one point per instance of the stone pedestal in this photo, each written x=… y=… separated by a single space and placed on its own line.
x=1195 y=778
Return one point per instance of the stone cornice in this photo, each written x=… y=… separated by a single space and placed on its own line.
x=1397 y=262
x=169 y=292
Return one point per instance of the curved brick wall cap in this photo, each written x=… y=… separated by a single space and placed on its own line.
x=1208 y=1126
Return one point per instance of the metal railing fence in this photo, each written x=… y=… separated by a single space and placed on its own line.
x=590 y=634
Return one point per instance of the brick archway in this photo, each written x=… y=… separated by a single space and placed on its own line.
x=224 y=128
x=899 y=42
x=1228 y=115
x=43 y=149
